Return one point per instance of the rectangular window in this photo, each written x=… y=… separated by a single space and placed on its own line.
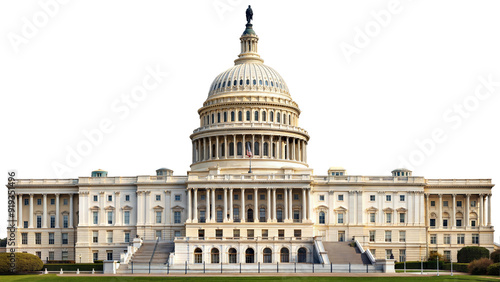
x=433 y=222
x=109 y=255
x=372 y=217
x=39 y=202
x=219 y=216
x=372 y=235
x=262 y=214
x=126 y=217
x=388 y=254
x=402 y=217
x=39 y=255
x=64 y=238
x=280 y=197
x=95 y=255
x=447 y=255
x=460 y=239
x=158 y=217
x=177 y=234
x=445 y=223
x=64 y=255
x=433 y=203
x=249 y=197
x=250 y=234
x=236 y=214
x=201 y=234
x=38 y=238
x=51 y=238
x=219 y=197
x=279 y=214
x=158 y=197
x=95 y=236
x=340 y=218
x=297 y=233
x=340 y=198
x=127 y=237
x=38 y=221
x=95 y=216
x=65 y=202
x=177 y=198
x=96 y=198
x=447 y=239
x=51 y=255
x=295 y=196
x=281 y=233
x=110 y=217
x=236 y=196
x=203 y=197
x=402 y=255
x=459 y=222
x=109 y=236
x=24 y=238
x=158 y=234
x=459 y=203
x=236 y=233
x=372 y=198
x=445 y=203
x=65 y=221
x=475 y=238
x=110 y=198
x=388 y=236
x=401 y=198
x=177 y=217
x=52 y=221
x=296 y=216
x=321 y=198
x=218 y=233
x=388 y=217
x=472 y=203
x=265 y=234
x=402 y=236
x=25 y=224
x=341 y=236
x=26 y=202
x=388 y=198
x=433 y=239
x=52 y=202
x=202 y=216
x=127 y=198
x=262 y=196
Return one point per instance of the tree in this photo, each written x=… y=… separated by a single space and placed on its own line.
x=495 y=256
x=23 y=262
x=468 y=254
x=435 y=256
x=479 y=266
x=3 y=242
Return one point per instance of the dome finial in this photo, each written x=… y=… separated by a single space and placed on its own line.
x=249 y=13
x=249 y=41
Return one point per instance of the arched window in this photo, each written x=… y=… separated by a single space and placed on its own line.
x=256 y=148
x=213 y=150
x=231 y=149
x=248 y=115
x=278 y=117
x=271 y=116
x=198 y=256
x=232 y=116
x=235 y=82
x=241 y=81
x=223 y=149
x=225 y=116
x=239 y=149
x=284 y=119
x=285 y=255
x=248 y=145
x=263 y=116
x=229 y=83
x=240 y=116
x=256 y=114
x=266 y=149
x=260 y=82
x=302 y=255
x=232 y=255
x=267 y=255
x=213 y=118
x=321 y=217
x=214 y=254
x=254 y=82
x=224 y=84
x=218 y=117
x=249 y=255
x=267 y=84
x=289 y=119
x=248 y=81
x=272 y=83
x=274 y=150
x=250 y=215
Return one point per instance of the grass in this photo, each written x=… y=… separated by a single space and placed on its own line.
x=53 y=277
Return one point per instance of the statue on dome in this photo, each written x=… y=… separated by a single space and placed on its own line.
x=249 y=13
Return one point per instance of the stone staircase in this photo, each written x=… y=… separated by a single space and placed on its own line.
x=343 y=253
x=144 y=253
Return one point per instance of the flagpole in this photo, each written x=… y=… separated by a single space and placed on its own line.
x=250 y=171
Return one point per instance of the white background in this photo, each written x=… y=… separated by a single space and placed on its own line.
x=365 y=115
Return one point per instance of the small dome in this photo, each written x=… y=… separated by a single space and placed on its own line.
x=99 y=173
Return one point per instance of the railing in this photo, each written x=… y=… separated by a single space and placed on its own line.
x=154 y=251
x=365 y=179
x=255 y=238
x=245 y=177
x=367 y=252
x=446 y=182
x=257 y=125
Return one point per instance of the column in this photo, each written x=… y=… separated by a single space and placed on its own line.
x=351 y=210
x=269 y=205
x=242 y=210
x=380 y=201
x=440 y=215
x=118 y=210
x=210 y=153
x=231 y=206
x=234 y=146
x=453 y=220
x=207 y=209
x=70 y=223
x=309 y=204
x=243 y=146
x=359 y=207
x=252 y=145
x=204 y=149
x=292 y=150
x=147 y=205
x=190 y=206
x=256 y=205
x=102 y=213
x=57 y=210
x=304 y=210
x=195 y=206
x=20 y=213
x=279 y=148
x=261 y=149
x=274 y=205
x=288 y=148
x=225 y=147
x=139 y=208
x=299 y=155
x=214 y=215
x=467 y=207
x=31 y=212
x=44 y=216
x=290 y=204
x=481 y=210
x=414 y=208
x=285 y=197
x=224 y=213
x=271 y=150
x=216 y=147
x=489 y=209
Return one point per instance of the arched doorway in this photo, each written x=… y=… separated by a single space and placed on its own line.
x=267 y=255
x=232 y=255
x=285 y=255
x=249 y=255
x=302 y=255
x=198 y=256
x=214 y=255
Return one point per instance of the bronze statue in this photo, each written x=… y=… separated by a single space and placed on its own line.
x=249 y=14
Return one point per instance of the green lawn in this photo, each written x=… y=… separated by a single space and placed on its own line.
x=53 y=277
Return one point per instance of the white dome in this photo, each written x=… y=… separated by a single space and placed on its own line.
x=249 y=77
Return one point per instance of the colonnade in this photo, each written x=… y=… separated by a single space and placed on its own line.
x=45 y=221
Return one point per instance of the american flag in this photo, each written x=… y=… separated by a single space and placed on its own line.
x=249 y=151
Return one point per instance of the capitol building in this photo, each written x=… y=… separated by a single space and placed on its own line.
x=250 y=197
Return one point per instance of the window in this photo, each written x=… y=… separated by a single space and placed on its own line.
x=25 y=224
x=24 y=238
x=218 y=117
x=51 y=255
x=158 y=234
x=95 y=217
x=295 y=196
x=236 y=214
x=459 y=223
x=249 y=197
x=236 y=233
x=460 y=239
x=281 y=234
x=177 y=217
x=402 y=236
x=39 y=255
x=203 y=197
x=109 y=255
x=447 y=255
x=65 y=202
x=284 y=255
x=96 y=198
x=39 y=202
x=271 y=116
x=341 y=236
x=127 y=198
x=256 y=148
x=256 y=115
x=372 y=198
x=38 y=238
x=52 y=202
x=219 y=216
x=240 y=116
x=64 y=255
x=388 y=236
x=219 y=197
x=296 y=216
x=109 y=236
x=302 y=255
x=445 y=203
x=177 y=234
x=340 y=197
x=250 y=234
x=321 y=217
x=372 y=235
x=321 y=198
x=201 y=234
x=158 y=197
x=388 y=254
x=232 y=255
x=388 y=198
x=297 y=233
x=264 y=115
x=447 y=239
x=110 y=217
x=178 y=198
x=110 y=198
x=445 y=223
x=267 y=255
x=239 y=149
x=388 y=217
x=402 y=217
x=64 y=238
x=248 y=115
x=278 y=117
x=232 y=116
x=249 y=255
x=65 y=221
x=52 y=221
x=279 y=196
x=214 y=255
x=158 y=217
x=459 y=203
x=38 y=221
x=266 y=149
x=126 y=217
x=218 y=233
x=401 y=198
x=433 y=239
x=95 y=237
x=127 y=237
x=51 y=238
x=26 y=202
x=402 y=255
x=340 y=218
x=472 y=203
x=95 y=255
x=372 y=217
x=432 y=222
x=265 y=234
x=473 y=223
x=262 y=214
x=433 y=203
x=475 y=238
